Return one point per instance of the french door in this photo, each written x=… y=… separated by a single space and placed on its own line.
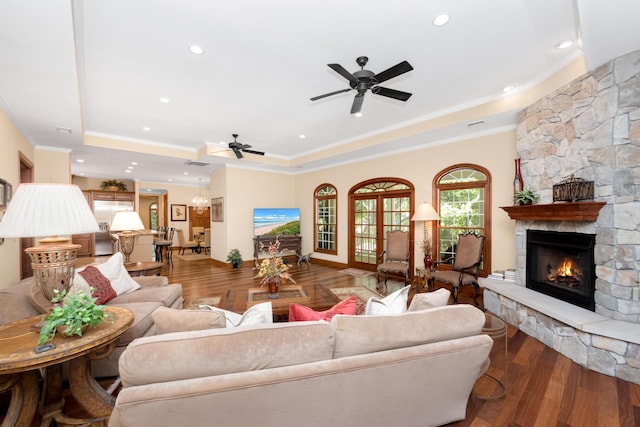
x=377 y=207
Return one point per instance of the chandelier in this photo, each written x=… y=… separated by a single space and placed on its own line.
x=199 y=203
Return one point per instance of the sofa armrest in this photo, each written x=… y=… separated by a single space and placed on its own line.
x=145 y=281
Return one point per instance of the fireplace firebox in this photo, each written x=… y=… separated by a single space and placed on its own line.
x=561 y=265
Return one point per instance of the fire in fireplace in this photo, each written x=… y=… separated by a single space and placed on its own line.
x=561 y=265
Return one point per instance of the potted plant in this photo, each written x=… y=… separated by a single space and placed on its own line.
x=113 y=185
x=234 y=258
x=76 y=313
x=525 y=197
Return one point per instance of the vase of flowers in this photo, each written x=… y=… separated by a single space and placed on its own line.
x=272 y=271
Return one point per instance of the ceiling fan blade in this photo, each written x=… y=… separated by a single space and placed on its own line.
x=259 y=153
x=237 y=152
x=394 y=71
x=391 y=93
x=344 y=73
x=357 y=103
x=315 y=98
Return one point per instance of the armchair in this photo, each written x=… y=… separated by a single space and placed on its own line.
x=466 y=264
x=395 y=259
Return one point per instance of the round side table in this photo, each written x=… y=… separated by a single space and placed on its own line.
x=496 y=328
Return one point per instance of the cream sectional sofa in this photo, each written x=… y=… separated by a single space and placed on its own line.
x=25 y=300
x=411 y=369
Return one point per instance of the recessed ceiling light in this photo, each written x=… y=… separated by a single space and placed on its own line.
x=127 y=171
x=165 y=100
x=196 y=50
x=441 y=20
x=80 y=160
x=129 y=167
x=147 y=128
x=169 y=180
x=358 y=114
x=565 y=44
x=302 y=136
x=134 y=163
x=186 y=173
x=508 y=88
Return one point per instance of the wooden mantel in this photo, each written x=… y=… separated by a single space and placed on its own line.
x=565 y=211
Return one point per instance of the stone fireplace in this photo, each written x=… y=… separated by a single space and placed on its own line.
x=560 y=264
x=589 y=128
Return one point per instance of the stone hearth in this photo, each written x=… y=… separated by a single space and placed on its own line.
x=589 y=128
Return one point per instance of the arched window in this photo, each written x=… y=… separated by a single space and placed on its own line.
x=326 y=219
x=462 y=195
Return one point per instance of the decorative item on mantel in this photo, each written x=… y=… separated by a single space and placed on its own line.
x=572 y=189
x=525 y=197
x=272 y=271
x=518 y=182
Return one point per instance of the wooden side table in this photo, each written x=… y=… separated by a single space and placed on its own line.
x=144 y=269
x=19 y=364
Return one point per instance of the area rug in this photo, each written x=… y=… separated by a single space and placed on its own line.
x=357 y=272
x=362 y=292
x=192 y=257
x=195 y=303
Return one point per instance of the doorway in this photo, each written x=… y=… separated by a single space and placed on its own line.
x=26 y=176
x=376 y=207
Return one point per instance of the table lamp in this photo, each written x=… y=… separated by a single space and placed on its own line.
x=427 y=214
x=38 y=210
x=127 y=223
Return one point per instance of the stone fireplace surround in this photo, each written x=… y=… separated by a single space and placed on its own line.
x=589 y=128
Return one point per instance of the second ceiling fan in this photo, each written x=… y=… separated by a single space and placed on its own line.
x=364 y=80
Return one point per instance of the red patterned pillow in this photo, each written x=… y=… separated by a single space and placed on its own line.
x=103 y=291
x=299 y=313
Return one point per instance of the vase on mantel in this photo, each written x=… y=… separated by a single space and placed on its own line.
x=518 y=182
x=272 y=285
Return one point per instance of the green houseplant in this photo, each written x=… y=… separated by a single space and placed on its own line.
x=106 y=185
x=234 y=258
x=525 y=197
x=76 y=313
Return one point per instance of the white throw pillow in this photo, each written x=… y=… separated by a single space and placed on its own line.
x=114 y=270
x=258 y=314
x=428 y=300
x=394 y=303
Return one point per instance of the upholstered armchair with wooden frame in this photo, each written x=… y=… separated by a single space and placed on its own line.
x=466 y=264
x=395 y=259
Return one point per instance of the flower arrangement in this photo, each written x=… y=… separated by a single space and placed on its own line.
x=273 y=267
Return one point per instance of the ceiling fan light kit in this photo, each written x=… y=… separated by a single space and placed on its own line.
x=363 y=80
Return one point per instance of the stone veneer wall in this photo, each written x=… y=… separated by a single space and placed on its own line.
x=589 y=128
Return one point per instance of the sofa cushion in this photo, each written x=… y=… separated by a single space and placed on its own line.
x=366 y=334
x=393 y=303
x=114 y=270
x=170 y=320
x=299 y=312
x=15 y=304
x=196 y=354
x=102 y=290
x=142 y=320
x=166 y=295
x=430 y=299
x=258 y=314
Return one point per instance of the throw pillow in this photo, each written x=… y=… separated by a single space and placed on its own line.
x=393 y=303
x=299 y=313
x=169 y=320
x=427 y=300
x=256 y=315
x=102 y=290
x=118 y=275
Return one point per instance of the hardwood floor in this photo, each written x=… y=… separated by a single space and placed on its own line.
x=544 y=387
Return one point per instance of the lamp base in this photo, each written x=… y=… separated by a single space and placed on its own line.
x=53 y=266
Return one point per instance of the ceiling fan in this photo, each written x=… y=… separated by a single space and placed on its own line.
x=239 y=148
x=364 y=80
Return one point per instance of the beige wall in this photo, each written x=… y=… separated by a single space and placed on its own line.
x=12 y=142
x=494 y=152
x=53 y=165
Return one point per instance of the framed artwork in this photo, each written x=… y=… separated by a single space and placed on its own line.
x=217 y=209
x=178 y=212
x=3 y=194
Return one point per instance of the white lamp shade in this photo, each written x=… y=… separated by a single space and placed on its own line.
x=38 y=210
x=126 y=221
x=425 y=212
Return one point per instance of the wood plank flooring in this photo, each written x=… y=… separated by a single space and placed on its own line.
x=544 y=387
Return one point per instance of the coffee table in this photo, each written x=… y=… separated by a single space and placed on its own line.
x=19 y=364
x=317 y=297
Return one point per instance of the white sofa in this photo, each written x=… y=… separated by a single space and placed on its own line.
x=412 y=369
